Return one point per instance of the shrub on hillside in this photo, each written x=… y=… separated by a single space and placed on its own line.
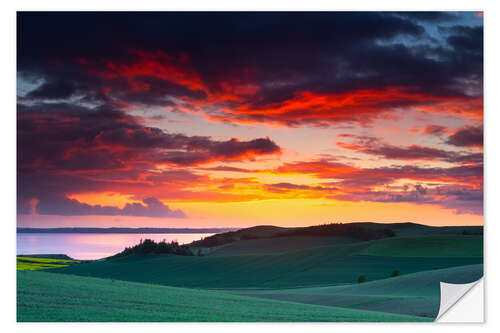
x=361 y=278
x=395 y=273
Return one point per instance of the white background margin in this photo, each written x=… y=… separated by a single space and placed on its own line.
x=8 y=158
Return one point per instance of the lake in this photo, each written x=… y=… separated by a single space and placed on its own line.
x=90 y=246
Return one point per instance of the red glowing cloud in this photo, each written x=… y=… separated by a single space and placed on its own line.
x=197 y=108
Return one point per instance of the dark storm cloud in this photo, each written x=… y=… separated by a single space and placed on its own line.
x=78 y=138
x=468 y=136
x=466 y=38
x=60 y=205
x=461 y=200
x=373 y=146
x=100 y=159
x=152 y=207
x=470 y=174
x=238 y=66
x=80 y=72
x=462 y=192
x=416 y=152
x=80 y=35
x=350 y=177
x=53 y=90
x=65 y=148
x=187 y=150
x=437 y=17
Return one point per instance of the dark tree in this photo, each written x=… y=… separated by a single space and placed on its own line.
x=395 y=273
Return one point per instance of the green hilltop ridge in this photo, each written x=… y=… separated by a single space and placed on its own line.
x=428 y=246
x=326 y=234
x=356 y=231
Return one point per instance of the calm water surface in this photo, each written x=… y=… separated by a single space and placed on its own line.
x=90 y=246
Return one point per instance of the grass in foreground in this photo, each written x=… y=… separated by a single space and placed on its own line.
x=43 y=296
x=413 y=294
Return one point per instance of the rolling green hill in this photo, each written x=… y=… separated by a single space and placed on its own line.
x=412 y=294
x=427 y=246
x=420 y=246
x=325 y=265
x=271 y=239
x=406 y=229
x=45 y=296
x=276 y=245
x=355 y=231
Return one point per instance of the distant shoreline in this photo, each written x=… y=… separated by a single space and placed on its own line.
x=122 y=230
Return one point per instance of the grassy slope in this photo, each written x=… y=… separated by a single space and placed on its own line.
x=277 y=245
x=45 y=296
x=326 y=265
x=413 y=229
x=420 y=246
x=413 y=294
x=400 y=229
x=428 y=246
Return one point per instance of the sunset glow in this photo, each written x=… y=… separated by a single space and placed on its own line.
x=242 y=119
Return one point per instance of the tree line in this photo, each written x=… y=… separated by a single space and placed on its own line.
x=149 y=246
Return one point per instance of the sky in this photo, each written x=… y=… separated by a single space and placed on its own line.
x=192 y=119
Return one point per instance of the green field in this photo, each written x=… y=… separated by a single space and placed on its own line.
x=291 y=278
x=276 y=245
x=412 y=294
x=37 y=263
x=428 y=246
x=325 y=265
x=45 y=296
x=415 y=229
